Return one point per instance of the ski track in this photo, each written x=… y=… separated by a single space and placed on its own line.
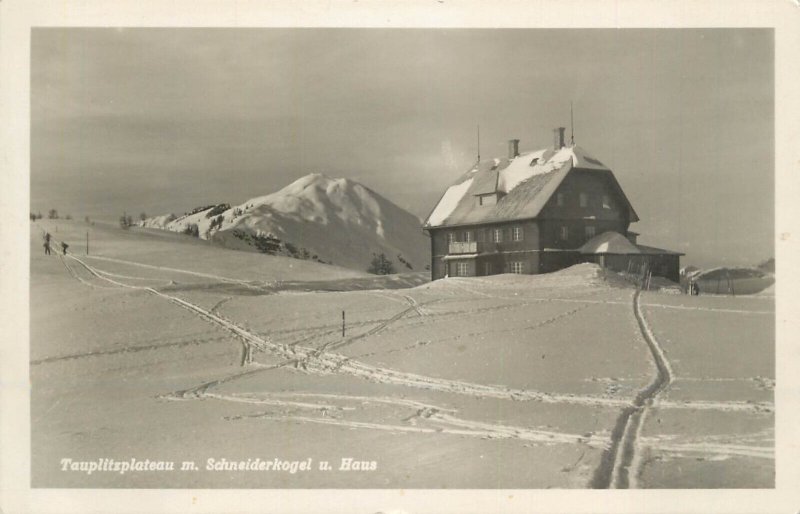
x=627 y=454
x=706 y=309
x=270 y=397
x=128 y=349
x=335 y=345
x=726 y=406
x=177 y=270
x=724 y=450
x=312 y=360
x=276 y=402
x=723 y=445
x=447 y=425
x=219 y=304
x=315 y=361
x=619 y=468
x=77 y=277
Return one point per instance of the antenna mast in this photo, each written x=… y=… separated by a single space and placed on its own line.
x=571 y=126
x=479 y=143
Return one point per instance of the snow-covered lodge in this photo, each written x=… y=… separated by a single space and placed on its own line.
x=538 y=212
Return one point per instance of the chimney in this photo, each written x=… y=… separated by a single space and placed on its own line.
x=558 y=138
x=513 y=148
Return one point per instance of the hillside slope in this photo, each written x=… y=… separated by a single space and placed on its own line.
x=316 y=217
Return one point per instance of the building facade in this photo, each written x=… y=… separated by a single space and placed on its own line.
x=532 y=213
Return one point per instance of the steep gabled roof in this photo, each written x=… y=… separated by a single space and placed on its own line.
x=486 y=178
x=523 y=184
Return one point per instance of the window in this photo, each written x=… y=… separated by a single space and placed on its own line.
x=451 y=237
x=590 y=232
x=467 y=236
x=584 y=199
x=487 y=268
x=606 y=202
x=516 y=234
x=462 y=270
x=517 y=267
x=480 y=235
x=560 y=199
x=497 y=235
x=564 y=232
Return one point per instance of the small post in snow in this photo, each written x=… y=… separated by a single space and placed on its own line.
x=87 y=242
x=342 y=323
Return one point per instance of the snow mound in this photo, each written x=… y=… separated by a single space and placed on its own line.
x=578 y=276
x=609 y=242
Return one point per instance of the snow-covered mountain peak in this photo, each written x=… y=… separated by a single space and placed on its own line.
x=337 y=219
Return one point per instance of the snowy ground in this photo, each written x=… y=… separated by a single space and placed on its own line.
x=502 y=382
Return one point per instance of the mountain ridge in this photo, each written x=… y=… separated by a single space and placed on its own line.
x=335 y=220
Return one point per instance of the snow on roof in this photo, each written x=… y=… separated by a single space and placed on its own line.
x=609 y=242
x=448 y=203
x=486 y=182
x=524 y=184
x=728 y=272
x=526 y=165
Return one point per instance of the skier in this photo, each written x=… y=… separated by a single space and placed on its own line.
x=47 y=243
x=64 y=247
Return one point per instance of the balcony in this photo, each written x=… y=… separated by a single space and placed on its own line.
x=469 y=247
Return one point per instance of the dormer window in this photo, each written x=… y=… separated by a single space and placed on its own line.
x=560 y=199
x=490 y=199
x=584 y=199
x=534 y=162
x=606 y=202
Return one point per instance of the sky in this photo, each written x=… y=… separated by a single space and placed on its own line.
x=164 y=120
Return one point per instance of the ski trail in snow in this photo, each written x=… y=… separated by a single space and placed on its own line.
x=271 y=397
x=726 y=406
x=414 y=306
x=315 y=361
x=248 y=340
x=320 y=362
x=77 y=277
x=128 y=349
x=706 y=309
x=276 y=402
x=446 y=424
x=385 y=294
x=116 y=275
x=417 y=307
x=618 y=469
x=219 y=304
x=177 y=270
x=721 y=450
